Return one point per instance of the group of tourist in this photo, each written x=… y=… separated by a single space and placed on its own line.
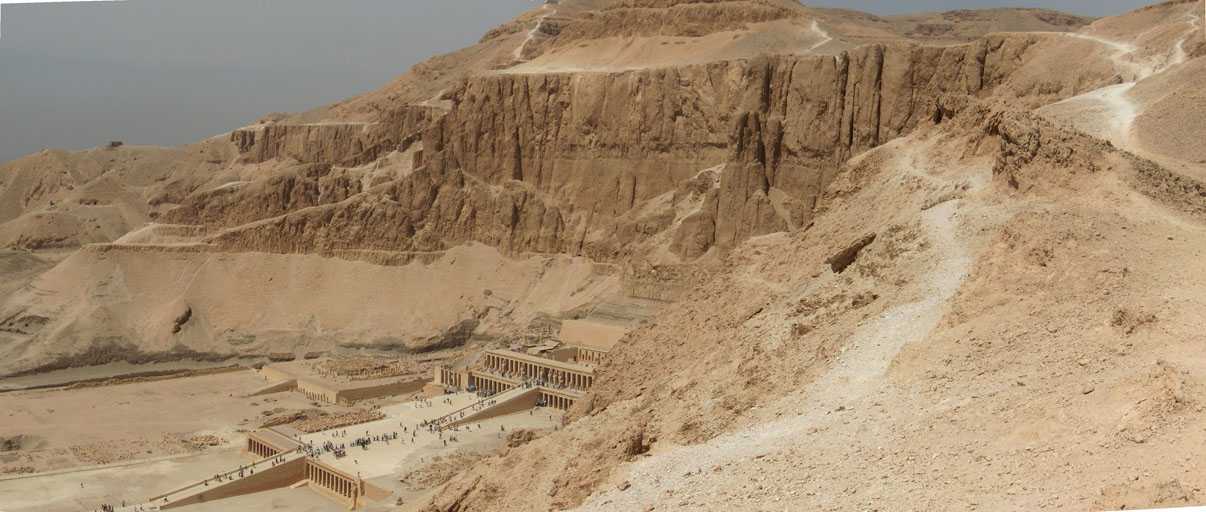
x=435 y=424
x=136 y=508
x=340 y=449
x=243 y=471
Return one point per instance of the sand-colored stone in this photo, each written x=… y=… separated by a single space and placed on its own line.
x=1015 y=329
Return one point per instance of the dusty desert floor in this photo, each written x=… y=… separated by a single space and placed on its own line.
x=74 y=449
x=66 y=428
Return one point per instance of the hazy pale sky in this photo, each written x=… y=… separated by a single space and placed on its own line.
x=171 y=72
x=175 y=71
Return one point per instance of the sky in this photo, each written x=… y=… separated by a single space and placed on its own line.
x=170 y=72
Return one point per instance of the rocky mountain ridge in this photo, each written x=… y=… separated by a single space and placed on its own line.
x=822 y=218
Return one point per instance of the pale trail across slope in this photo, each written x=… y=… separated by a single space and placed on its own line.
x=536 y=29
x=1120 y=111
x=820 y=32
x=854 y=380
x=860 y=373
x=1195 y=24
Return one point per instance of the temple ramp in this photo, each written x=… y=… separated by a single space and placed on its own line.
x=511 y=401
x=276 y=387
x=261 y=476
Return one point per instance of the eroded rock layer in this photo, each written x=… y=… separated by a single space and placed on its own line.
x=553 y=162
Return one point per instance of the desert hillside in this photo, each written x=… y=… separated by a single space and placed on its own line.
x=945 y=260
x=518 y=144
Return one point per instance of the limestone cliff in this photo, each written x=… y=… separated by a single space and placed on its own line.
x=347 y=144
x=646 y=169
x=554 y=162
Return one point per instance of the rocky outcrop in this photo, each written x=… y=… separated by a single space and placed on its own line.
x=427 y=211
x=347 y=144
x=843 y=258
x=810 y=114
x=683 y=18
x=182 y=319
x=557 y=162
x=297 y=188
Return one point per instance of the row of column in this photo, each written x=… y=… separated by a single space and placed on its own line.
x=574 y=380
x=316 y=396
x=552 y=375
x=558 y=402
x=259 y=449
x=449 y=378
x=586 y=355
x=491 y=386
x=341 y=485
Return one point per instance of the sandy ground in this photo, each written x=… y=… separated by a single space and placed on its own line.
x=617 y=54
x=1159 y=122
x=72 y=491
x=66 y=428
x=18 y=268
x=725 y=472
x=106 y=371
x=383 y=463
x=416 y=450
x=125 y=422
x=256 y=303
x=1032 y=347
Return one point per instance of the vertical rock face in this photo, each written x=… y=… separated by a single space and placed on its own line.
x=558 y=162
x=565 y=134
x=302 y=186
x=810 y=114
x=602 y=143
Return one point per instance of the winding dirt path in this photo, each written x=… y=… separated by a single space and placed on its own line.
x=857 y=380
x=518 y=54
x=1110 y=112
x=820 y=32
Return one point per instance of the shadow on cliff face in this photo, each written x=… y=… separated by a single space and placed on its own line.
x=452 y=337
x=116 y=349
